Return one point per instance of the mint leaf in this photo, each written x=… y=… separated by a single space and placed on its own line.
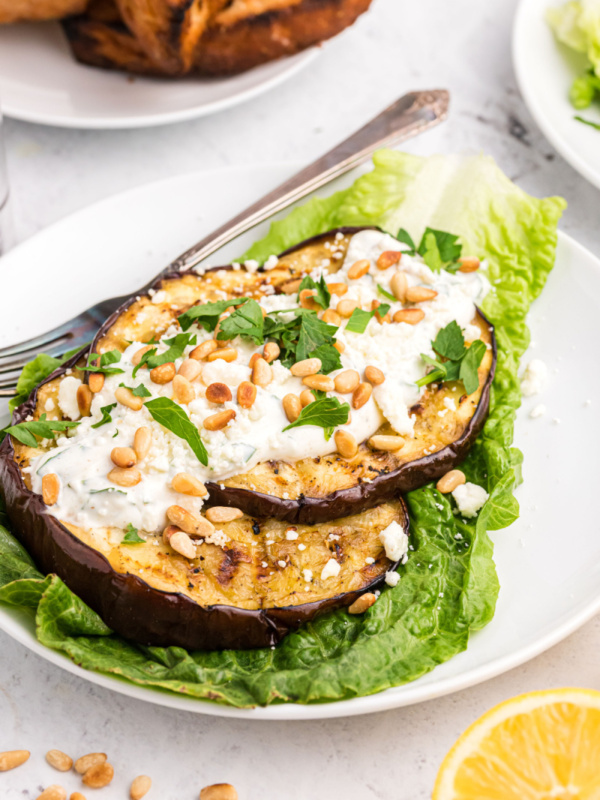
x=430 y=252
x=131 y=536
x=172 y=416
x=177 y=344
x=104 y=365
x=405 y=237
x=322 y=296
x=137 y=391
x=470 y=363
x=450 y=342
x=26 y=432
x=325 y=412
x=246 y=321
x=446 y=244
x=207 y=315
x=387 y=294
x=106 y=412
x=329 y=356
x=359 y=320
x=313 y=333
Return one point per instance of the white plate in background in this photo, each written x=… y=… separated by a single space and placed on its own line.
x=548 y=561
x=545 y=71
x=41 y=82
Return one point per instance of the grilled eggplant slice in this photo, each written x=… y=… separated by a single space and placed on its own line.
x=317 y=489
x=208 y=42
x=264 y=583
x=37 y=10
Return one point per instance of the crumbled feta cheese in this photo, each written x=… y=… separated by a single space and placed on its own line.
x=159 y=297
x=217 y=537
x=395 y=541
x=251 y=265
x=534 y=378
x=282 y=563
x=301 y=546
x=291 y=534
x=67 y=397
x=271 y=263
x=470 y=498
x=538 y=411
x=392 y=578
x=307 y=574
x=330 y=570
x=49 y=404
x=369 y=560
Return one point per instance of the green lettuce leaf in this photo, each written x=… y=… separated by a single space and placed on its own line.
x=448 y=587
x=576 y=24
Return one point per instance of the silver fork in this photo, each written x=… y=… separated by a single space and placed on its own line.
x=412 y=114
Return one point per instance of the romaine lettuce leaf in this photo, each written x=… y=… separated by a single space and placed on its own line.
x=577 y=25
x=448 y=587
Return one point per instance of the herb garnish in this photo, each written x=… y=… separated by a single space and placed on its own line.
x=137 y=391
x=325 y=412
x=173 y=417
x=387 y=294
x=329 y=358
x=587 y=122
x=460 y=362
x=104 y=365
x=404 y=236
x=106 y=415
x=43 y=428
x=177 y=345
x=322 y=294
x=360 y=319
x=300 y=337
x=437 y=249
x=207 y=315
x=131 y=536
x=246 y=321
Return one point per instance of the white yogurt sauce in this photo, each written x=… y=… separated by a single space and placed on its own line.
x=82 y=461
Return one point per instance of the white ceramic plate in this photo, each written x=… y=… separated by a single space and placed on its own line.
x=41 y=82
x=545 y=71
x=548 y=561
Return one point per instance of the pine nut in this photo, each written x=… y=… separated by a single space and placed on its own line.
x=182 y=544
x=292 y=406
x=339 y=346
x=203 y=350
x=219 y=514
x=53 y=792
x=399 y=285
x=218 y=393
x=332 y=317
x=220 y=420
x=310 y=366
x=77 y=796
x=219 y=791
x=271 y=351
x=128 y=399
x=50 y=492
x=140 y=786
x=361 y=395
x=59 y=760
x=291 y=287
x=346 y=444
x=163 y=374
x=137 y=356
x=227 y=354
x=345 y=308
x=90 y=760
x=99 y=776
x=469 y=264
x=386 y=317
x=189 y=522
x=448 y=482
x=168 y=532
x=307 y=397
x=246 y=394
x=96 y=382
x=359 y=269
x=323 y=383
x=412 y=316
x=190 y=369
x=11 y=759
x=253 y=359
x=387 y=443
x=84 y=399
x=339 y=289
x=363 y=603
x=142 y=440
x=374 y=376
x=388 y=259
x=347 y=381
x=125 y=477
x=183 y=391
x=184 y=483
x=306 y=298
x=262 y=374
x=419 y=294
x=123 y=457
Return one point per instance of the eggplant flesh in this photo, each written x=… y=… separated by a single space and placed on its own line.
x=314 y=490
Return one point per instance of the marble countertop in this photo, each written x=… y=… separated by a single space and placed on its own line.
x=464 y=46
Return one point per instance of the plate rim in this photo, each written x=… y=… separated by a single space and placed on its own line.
x=289 y=67
x=13 y=626
x=561 y=145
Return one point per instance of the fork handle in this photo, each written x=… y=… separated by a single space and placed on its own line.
x=412 y=114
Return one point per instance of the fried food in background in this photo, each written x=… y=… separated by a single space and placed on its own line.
x=33 y=10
